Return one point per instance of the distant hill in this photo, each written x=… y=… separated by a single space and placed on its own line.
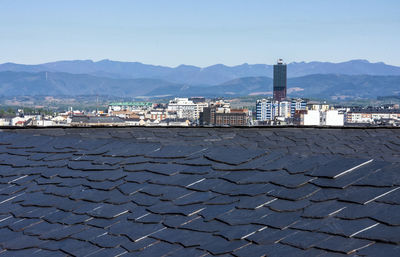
x=56 y=83
x=318 y=85
x=192 y=75
x=328 y=86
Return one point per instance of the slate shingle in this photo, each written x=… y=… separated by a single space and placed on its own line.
x=199 y=191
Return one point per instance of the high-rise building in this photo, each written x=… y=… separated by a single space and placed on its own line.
x=297 y=105
x=268 y=109
x=280 y=81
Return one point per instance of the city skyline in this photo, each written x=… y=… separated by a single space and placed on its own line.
x=199 y=33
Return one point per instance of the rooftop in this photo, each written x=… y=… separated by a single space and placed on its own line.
x=199 y=192
x=131 y=104
x=374 y=110
x=96 y=119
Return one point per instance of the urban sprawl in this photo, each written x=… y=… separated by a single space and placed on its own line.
x=198 y=111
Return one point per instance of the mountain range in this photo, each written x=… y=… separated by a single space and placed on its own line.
x=211 y=75
x=356 y=78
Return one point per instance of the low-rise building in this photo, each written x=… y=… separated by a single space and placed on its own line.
x=5 y=119
x=321 y=118
x=159 y=114
x=332 y=118
x=97 y=121
x=134 y=122
x=175 y=122
x=22 y=121
x=43 y=123
x=186 y=108
x=218 y=116
x=128 y=107
x=312 y=118
x=318 y=106
x=371 y=115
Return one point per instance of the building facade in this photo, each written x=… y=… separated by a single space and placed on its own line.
x=298 y=105
x=269 y=109
x=266 y=109
x=81 y=121
x=217 y=117
x=130 y=106
x=280 y=80
x=322 y=118
x=186 y=108
x=372 y=116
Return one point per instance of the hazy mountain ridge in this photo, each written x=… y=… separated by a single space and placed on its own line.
x=328 y=86
x=211 y=75
x=56 y=83
x=316 y=85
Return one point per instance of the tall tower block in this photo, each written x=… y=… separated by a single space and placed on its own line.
x=280 y=80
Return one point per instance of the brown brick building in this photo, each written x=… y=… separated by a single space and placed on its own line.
x=235 y=117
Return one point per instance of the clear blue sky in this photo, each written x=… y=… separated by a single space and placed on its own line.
x=201 y=32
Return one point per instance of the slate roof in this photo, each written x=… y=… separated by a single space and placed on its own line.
x=199 y=192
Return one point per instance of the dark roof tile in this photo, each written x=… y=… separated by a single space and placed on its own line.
x=340 y=167
x=245 y=216
x=198 y=191
x=385 y=177
x=105 y=252
x=200 y=225
x=135 y=231
x=348 y=228
x=218 y=245
x=268 y=236
x=281 y=205
x=184 y=237
x=108 y=211
x=364 y=195
x=304 y=239
x=349 y=178
x=194 y=252
x=77 y=248
x=294 y=194
x=249 y=250
x=382 y=233
x=108 y=241
x=279 y=220
x=232 y=155
x=22 y=224
x=158 y=249
x=343 y=245
x=62 y=233
x=379 y=249
x=140 y=245
x=239 y=232
x=324 y=209
x=378 y=211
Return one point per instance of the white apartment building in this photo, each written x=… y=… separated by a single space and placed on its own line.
x=185 y=108
x=323 y=118
x=333 y=118
x=268 y=109
x=312 y=118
